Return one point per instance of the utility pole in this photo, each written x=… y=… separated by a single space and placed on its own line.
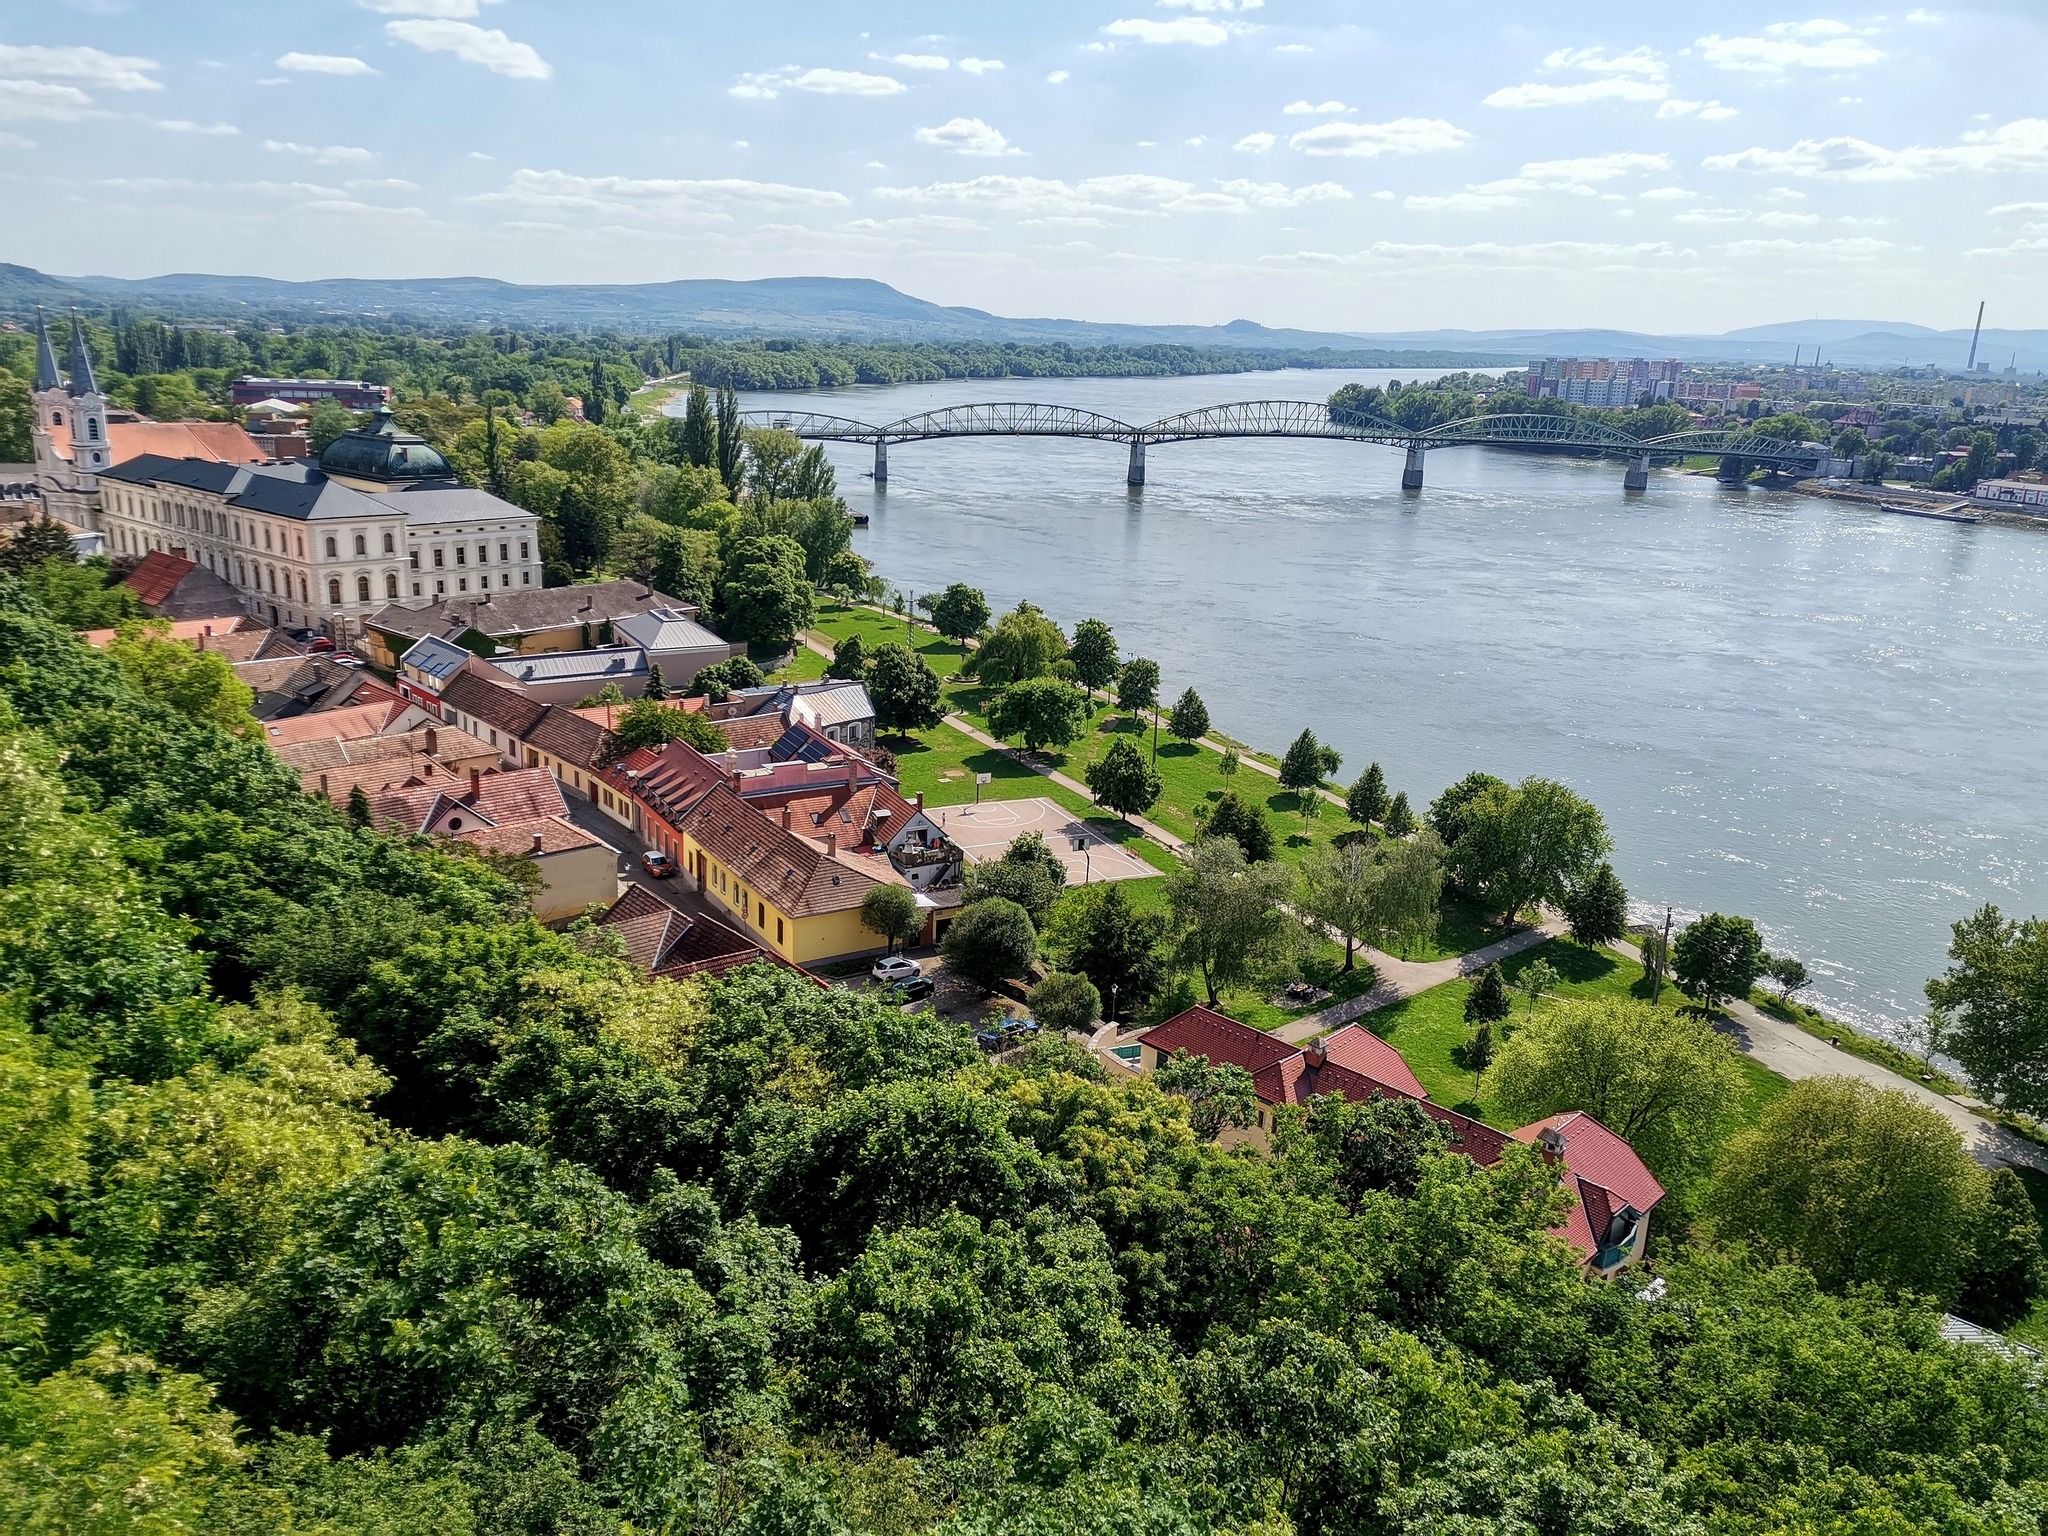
x=1657 y=986
x=1971 y=365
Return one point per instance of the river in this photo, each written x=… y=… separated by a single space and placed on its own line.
x=1822 y=717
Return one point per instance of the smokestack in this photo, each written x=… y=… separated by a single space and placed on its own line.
x=832 y=843
x=537 y=841
x=433 y=742
x=1971 y=365
x=852 y=770
x=787 y=819
x=476 y=783
x=1316 y=1052
x=918 y=801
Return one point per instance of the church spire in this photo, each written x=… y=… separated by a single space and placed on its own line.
x=46 y=358
x=82 y=381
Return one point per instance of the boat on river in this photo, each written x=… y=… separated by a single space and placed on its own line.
x=1959 y=513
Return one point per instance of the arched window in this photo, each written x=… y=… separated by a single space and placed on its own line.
x=334 y=590
x=389 y=547
x=362 y=545
x=331 y=550
x=92 y=428
x=362 y=589
x=391 y=585
x=56 y=418
x=302 y=590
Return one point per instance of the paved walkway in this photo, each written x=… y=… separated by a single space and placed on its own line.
x=1405 y=978
x=1151 y=829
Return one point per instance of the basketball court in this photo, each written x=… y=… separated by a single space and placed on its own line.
x=984 y=831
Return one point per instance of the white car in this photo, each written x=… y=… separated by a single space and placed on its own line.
x=894 y=968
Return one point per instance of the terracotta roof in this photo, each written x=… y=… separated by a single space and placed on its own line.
x=450 y=748
x=664 y=941
x=1361 y=1050
x=498 y=799
x=157 y=576
x=354 y=721
x=336 y=782
x=751 y=731
x=1204 y=1032
x=557 y=834
x=849 y=812
x=606 y=714
x=670 y=779
x=529 y=611
x=479 y=697
x=221 y=441
x=214 y=631
x=564 y=734
x=1597 y=1156
x=792 y=871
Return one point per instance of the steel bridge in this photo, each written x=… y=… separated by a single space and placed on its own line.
x=1294 y=418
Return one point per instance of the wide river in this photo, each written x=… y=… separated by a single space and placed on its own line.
x=1823 y=717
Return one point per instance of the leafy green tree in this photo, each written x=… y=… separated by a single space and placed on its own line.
x=1789 y=972
x=1029 y=873
x=1137 y=686
x=1219 y=1094
x=904 y=689
x=1093 y=653
x=2008 y=1271
x=1535 y=979
x=1340 y=890
x=719 y=681
x=35 y=543
x=80 y=594
x=1660 y=1081
x=1447 y=812
x=1375 y=1146
x=1860 y=1184
x=359 y=814
x=1228 y=763
x=990 y=942
x=699 y=435
x=960 y=613
x=1366 y=802
x=1241 y=820
x=1042 y=710
x=766 y=598
x=1521 y=845
x=197 y=683
x=1022 y=647
x=1113 y=945
x=730 y=442
x=1228 y=915
x=649 y=722
x=1189 y=719
x=892 y=911
x=1307 y=763
x=586 y=527
x=1400 y=821
x=1488 y=1001
x=1716 y=958
x=1990 y=1008
x=1479 y=1050
x=1407 y=893
x=1597 y=908
x=657 y=685
x=849 y=659
x=17 y=418
x=1122 y=780
x=328 y=420
x=1066 y=1001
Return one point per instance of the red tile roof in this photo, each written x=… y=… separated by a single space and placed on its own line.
x=798 y=875
x=221 y=441
x=484 y=700
x=664 y=941
x=565 y=735
x=157 y=576
x=1204 y=1032
x=1361 y=1050
x=1598 y=1156
x=498 y=799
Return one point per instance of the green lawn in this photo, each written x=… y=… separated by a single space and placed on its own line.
x=804 y=665
x=835 y=621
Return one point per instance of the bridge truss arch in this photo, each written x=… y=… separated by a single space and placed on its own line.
x=1743 y=445
x=1274 y=418
x=1010 y=418
x=1531 y=430
x=814 y=426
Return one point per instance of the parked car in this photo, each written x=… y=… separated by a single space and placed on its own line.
x=658 y=864
x=318 y=643
x=992 y=1039
x=894 y=968
x=912 y=988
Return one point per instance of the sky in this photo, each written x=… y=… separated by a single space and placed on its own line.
x=1334 y=166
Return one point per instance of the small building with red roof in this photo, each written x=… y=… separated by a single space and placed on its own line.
x=1612 y=1191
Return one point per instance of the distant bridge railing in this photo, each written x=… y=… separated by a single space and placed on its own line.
x=1299 y=419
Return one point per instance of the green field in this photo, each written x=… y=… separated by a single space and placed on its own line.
x=835 y=621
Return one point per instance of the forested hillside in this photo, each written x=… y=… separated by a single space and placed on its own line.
x=340 y=1197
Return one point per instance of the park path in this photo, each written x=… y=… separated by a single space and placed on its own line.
x=1151 y=829
x=1405 y=978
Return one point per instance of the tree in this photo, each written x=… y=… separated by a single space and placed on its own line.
x=1137 y=686
x=766 y=598
x=1307 y=763
x=2007 y=1272
x=1065 y=1002
x=699 y=435
x=1190 y=717
x=1488 y=1002
x=904 y=690
x=359 y=814
x=1340 y=890
x=1366 y=801
x=1228 y=916
x=1218 y=1095
x=893 y=912
x=1656 y=957
x=1789 y=973
x=1597 y=908
x=1122 y=780
x=990 y=942
x=1479 y=1050
x=328 y=420
x=198 y=683
x=1716 y=958
x=1447 y=810
x=1861 y=1184
x=586 y=527
x=1093 y=653
x=649 y=722
x=1990 y=1008
x=849 y=659
x=82 y=594
x=1521 y=845
x=1239 y=819
x=657 y=685
x=1115 y=946
x=1023 y=646
x=1366 y=1146
x=1407 y=896
x=1535 y=979
x=1044 y=711
x=960 y=613
x=1400 y=820
x=17 y=418
x=719 y=681
x=34 y=542
x=730 y=442
x=1029 y=873
x=1662 y=1082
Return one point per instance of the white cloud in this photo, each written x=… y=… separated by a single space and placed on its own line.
x=2005 y=208
x=15 y=141
x=83 y=66
x=210 y=130
x=1923 y=16
x=331 y=154
x=472 y=44
x=1275 y=194
x=323 y=64
x=1199 y=30
x=1580 y=177
x=447 y=10
x=1472 y=200
x=1197 y=141
x=1850 y=248
x=1293 y=48
x=1315 y=109
x=918 y=223
x=2019 y=146
x=1212 y=5
x=769 y=84
x=1785 y=45
x=1666 y=195
x=1058 y=77
x=1091 y=200
x=914 y=60
x=1646 y=62
x=1706 y=111
x=967 y=136
x=981 y=66
x=382 y=184
x=1402 y=136
x=23 y=100
x=1256 y=143
x=627 y=196
x=1383 y=197
x=1542 y=255
x=1579 y=92
x=1594 y=168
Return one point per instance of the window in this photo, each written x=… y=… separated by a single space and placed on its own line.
x=266 y=535
x=302 y=589
x=440 y=587
x=526 y=578
x=415 y=589
x=362 y=589
x=505 y=579
x=391 y=585
x=331 y=550
x=462 y=554
x=271 y=572
x=92 y=428
x=302 y=546
x=522 y=550
x=778 y=930
x=437 y=557
x=483 y=554
x=504 y=554
x=462 y=583
x=56 y=418
x=334 y=590
x=362 y=545
x=389 y=547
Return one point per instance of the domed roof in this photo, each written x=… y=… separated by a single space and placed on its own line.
x=381 y=451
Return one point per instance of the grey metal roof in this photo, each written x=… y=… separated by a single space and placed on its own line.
x=667 y=629
x=526 y=611
x=47 y=376
x=292 y=489
x=841 y=704
x=1957 y=1330
x=611 y=664
x=383 y=451
x=82 y=380
x=425 y=505
x=438 y=659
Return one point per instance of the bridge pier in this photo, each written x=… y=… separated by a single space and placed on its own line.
x=1637 y=476
x=881 y=461
x=1135 y=475
x=1411 y=471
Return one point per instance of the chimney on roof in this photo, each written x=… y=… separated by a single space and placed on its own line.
x=476 y=782
x=537 y=841
x=735 y=781
x=918 y=800
x=852 y=770
x=433 y=742
x=1550 y=1142
x=787 y=819
x=1316 y=1053
x=832 y=844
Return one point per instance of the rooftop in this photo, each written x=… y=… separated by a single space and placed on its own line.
x=530 y=610
x=438 y=660
x=383 y=451
x=667 y=942
x=608 y=664
x=667 y=629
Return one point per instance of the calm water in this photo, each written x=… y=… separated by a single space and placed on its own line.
x=1824 y=718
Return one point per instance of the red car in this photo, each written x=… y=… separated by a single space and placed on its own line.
x=658 y=864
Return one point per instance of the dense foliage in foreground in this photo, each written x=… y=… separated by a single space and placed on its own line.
x=338 y=1197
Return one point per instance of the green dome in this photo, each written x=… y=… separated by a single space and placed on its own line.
x=381 y=451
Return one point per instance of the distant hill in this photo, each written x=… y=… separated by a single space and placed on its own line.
x=861 y=309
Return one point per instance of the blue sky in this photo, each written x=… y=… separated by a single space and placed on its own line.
x=1297 y=162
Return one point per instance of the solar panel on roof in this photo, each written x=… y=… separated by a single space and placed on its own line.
x=785 y=747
